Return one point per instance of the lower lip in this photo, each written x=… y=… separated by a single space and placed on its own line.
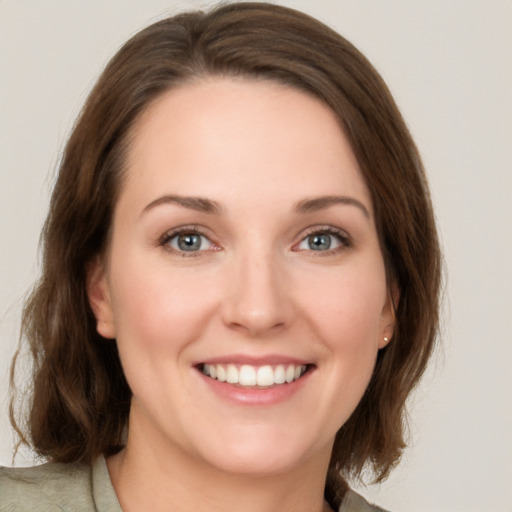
x=255 y=396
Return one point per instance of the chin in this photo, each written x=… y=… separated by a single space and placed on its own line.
x=261 y=465
x=263 y=454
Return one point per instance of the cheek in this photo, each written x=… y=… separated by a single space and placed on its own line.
x=343 y=311
x=348 y=306
x=156 y=307
x=348 y=316
x=158 y=314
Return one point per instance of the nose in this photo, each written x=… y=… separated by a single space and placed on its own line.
x=258 y=299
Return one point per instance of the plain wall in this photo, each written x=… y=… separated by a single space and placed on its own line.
x=448 y=63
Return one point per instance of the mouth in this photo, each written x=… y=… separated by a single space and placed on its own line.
x=251 y=376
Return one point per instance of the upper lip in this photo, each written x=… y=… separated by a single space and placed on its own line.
x=240 y=359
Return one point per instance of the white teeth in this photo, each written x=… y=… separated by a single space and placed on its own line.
x=251 y=376
x=232 y=376
x=221 y=372
x=279 y=375
x=247 y=375
x=265 y=376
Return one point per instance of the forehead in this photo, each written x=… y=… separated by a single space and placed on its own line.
x=229 y=136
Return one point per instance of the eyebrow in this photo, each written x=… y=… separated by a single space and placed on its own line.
x=319 y=203
x=199 y=204
x=311 y=205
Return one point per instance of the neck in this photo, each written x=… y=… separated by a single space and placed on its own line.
x=152 y=476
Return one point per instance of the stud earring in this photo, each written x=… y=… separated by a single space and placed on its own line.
x=386 y=339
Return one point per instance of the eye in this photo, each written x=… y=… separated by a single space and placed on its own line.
x=324 y=240
x=188 y=241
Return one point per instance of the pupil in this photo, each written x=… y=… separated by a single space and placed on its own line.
x=320 y=242
x=189 y=242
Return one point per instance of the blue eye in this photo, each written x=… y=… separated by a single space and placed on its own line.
x=189 y=242
x=319 y=242
x=323 y=241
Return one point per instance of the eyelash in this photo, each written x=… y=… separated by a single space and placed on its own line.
x=184 y=230
x=342 y=237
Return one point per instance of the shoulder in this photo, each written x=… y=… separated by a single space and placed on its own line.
x=353 y=502
x=46 y=488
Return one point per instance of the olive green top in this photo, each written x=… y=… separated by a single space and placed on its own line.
x=73 y=488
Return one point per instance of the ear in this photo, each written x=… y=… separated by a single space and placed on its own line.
x=98 y=292
x=389 y=316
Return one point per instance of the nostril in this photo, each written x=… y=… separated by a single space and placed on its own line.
x=256 y=326
x=256 y=302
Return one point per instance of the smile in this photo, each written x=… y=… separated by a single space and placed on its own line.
x=254 y=376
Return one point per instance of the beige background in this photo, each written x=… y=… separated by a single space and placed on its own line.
x=449 y=65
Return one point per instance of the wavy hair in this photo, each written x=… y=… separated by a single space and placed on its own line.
x=80 y=398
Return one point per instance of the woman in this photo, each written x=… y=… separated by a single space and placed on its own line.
x=240 y=278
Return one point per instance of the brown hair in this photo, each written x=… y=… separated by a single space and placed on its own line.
x=81 y=400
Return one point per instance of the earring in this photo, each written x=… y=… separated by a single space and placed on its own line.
x=386 y=339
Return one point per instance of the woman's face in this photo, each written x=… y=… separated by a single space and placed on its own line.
x=244 y=282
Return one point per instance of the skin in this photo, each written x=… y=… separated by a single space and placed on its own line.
x=255 y=288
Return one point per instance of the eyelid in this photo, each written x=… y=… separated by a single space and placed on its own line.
x=187 y=229
x=342 y=235
x=344 y=238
